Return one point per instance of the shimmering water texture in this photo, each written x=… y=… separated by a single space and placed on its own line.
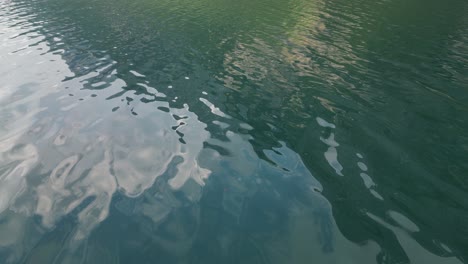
x=218 y=131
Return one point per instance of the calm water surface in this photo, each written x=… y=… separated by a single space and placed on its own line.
x=220 y=131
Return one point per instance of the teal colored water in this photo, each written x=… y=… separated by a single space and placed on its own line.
x=219 y=131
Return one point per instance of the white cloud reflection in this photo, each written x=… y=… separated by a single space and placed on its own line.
x=62 y=156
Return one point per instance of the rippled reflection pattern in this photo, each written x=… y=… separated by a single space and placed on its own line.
x=213 y=131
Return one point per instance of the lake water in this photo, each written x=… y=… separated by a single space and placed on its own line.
x=220 y=131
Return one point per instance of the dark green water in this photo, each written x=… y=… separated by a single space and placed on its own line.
x=220 y=131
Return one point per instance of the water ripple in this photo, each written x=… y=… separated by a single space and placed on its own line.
x=212 y=131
